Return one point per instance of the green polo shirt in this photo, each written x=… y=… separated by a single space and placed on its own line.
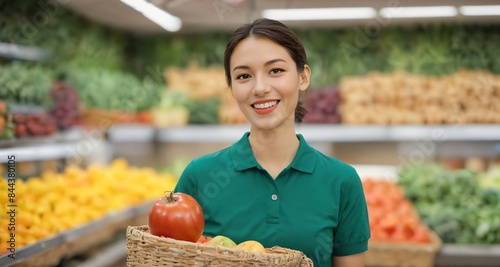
x=315 y=205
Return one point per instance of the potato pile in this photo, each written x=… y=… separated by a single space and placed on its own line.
x=465 y=97
x=198 y=83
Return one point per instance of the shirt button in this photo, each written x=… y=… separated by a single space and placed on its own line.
x=274 y=197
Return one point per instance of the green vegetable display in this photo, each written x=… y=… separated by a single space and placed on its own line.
x=203 y=112
x=25 y=83
x=114 y=90
x=453 y=203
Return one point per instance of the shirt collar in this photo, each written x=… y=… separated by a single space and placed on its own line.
x=241 y=152
x=305 y=159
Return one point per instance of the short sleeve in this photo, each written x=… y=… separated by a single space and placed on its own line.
x=187 y=183
x=353 y=230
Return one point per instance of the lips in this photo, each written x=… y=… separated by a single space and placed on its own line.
x=265 y=106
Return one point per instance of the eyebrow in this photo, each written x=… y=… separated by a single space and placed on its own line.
x=272 y=61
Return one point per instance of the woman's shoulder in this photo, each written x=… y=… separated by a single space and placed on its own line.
x=210 y=159
x=333 y=165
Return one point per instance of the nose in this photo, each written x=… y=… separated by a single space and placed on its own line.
x=261 y=86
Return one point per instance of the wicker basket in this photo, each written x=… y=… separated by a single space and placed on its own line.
x=148 y=250
x=390 y=254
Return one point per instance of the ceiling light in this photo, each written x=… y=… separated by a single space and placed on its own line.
x=418 y=12
x=320 y=13
x=157 y=15
x=480 y=10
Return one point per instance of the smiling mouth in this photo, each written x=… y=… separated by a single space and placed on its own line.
x=265 y=105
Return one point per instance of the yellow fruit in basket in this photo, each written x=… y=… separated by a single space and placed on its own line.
x=251 y=245
x=221 y=240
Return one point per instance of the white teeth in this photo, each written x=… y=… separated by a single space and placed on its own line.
x=266 y=105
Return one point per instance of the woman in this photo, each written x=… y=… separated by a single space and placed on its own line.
x=271 y=186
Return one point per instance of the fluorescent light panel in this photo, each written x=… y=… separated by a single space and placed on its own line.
x=320 y=13
x=480 y=10
x=155 y=14
x=418 y=12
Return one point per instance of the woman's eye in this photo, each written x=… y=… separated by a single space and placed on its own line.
x=276 y=71
x=242 y=76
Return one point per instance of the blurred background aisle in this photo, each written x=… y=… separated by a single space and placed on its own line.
x=103 y=103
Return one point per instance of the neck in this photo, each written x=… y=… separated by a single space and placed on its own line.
x=274 y=148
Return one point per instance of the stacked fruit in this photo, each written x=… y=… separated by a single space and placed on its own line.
x=46 y=205
x=322 y=105
x=392 y=217
x=66 y=110
x=36 y=124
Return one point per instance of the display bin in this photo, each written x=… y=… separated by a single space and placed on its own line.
x=144 y=249
x=93 y=235
x=463 y=255
x=393 y=254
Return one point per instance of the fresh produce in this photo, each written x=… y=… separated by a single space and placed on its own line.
x=490 y=179
x=46 y=204
x=229 y=112
x=392 y=217
x=171 y=111
x=177 y=216
x=453 y=203
x=199 y=83
x=203 y=111
x=204 y=239
x=24 y=83
x=115 y=90
x=7 y=126
x=321 y=105
x=210 y=100
x=66 y=111
x=223 y=241
x=251 y=245
x=37 y=124
x=465 y=97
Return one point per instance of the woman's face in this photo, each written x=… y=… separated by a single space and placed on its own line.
x=265 y=82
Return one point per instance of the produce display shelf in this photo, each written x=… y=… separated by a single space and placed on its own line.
x=57 y=146
x=71 y=240
x=313 y=133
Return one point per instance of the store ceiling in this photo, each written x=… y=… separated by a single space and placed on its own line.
x=225 y=15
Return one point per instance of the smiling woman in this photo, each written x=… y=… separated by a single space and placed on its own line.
x=271 y=186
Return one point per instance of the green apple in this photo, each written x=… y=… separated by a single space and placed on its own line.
x=221 y=240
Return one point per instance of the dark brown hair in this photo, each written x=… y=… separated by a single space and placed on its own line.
x=278 y=33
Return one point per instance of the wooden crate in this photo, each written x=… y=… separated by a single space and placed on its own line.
x=392 y=254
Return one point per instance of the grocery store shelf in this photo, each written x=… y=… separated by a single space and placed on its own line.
x=72 y=134
x=58 y=146
x=132 y=133
x=203 y=133
x=40 y=152
x=75 y=235
x=340 y=133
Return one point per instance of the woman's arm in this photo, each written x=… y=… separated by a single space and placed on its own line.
x=356 y=260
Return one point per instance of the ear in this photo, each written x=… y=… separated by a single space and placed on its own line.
x=304 y=78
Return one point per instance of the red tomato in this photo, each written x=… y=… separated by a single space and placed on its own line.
x=178 y=216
